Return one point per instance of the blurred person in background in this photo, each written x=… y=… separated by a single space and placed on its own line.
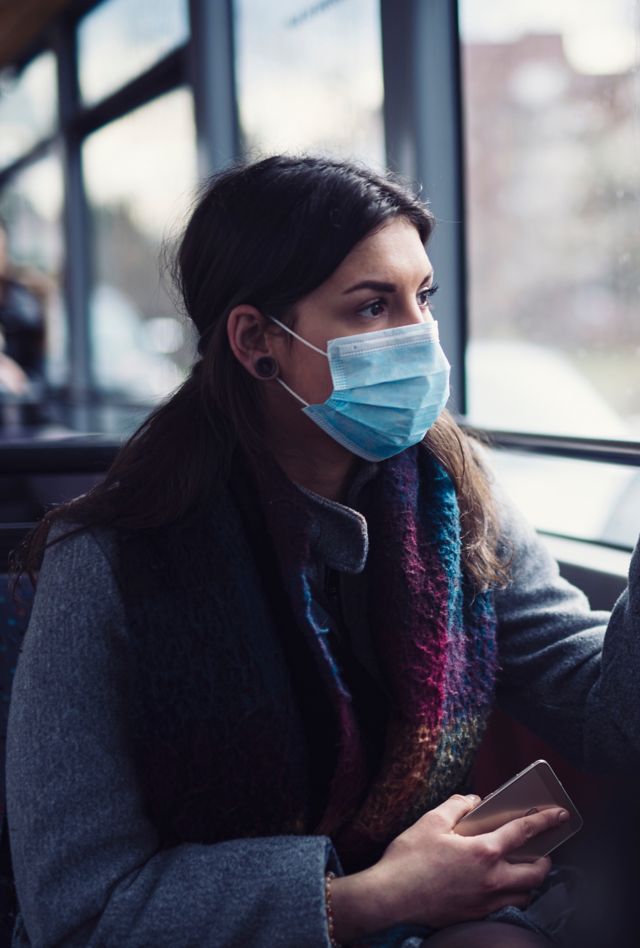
x=22 y=329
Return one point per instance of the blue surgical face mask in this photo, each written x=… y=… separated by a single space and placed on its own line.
x=389 y=387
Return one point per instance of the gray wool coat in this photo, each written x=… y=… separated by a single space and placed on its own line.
x=88 y=867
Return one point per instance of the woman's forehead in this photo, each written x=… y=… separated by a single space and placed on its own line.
x=394 y=253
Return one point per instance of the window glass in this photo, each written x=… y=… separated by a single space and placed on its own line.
x=139 y=173
x=310 y=77
x=585 y=500
x=551 y=97
x=122 y=38
x=32 y=313
x=27 y=107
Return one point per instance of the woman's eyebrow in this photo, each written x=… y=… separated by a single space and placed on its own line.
x=380 y=287
x=372 y=285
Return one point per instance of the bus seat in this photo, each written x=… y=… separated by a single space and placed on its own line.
x=508 y=747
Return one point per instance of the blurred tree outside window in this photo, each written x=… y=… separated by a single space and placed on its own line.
x=28 y=107
x=551 y=96
x=139 y=173
x=120 y=39
x=310 y=78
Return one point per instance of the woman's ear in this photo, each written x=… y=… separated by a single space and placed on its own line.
x=250 y=341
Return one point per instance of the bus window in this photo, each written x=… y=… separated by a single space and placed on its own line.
x=140 y=348
x=550 y=96
x=310 y=77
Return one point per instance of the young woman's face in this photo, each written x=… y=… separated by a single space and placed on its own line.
x=384 y=282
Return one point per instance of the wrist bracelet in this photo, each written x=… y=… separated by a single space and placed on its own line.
x=330 y=876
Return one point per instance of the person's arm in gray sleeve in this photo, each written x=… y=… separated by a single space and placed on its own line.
x=86 y=859
x=569 y=673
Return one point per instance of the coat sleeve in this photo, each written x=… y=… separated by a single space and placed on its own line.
x=569 y=673
x=87 y=864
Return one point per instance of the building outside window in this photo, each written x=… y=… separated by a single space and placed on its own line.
x=551 y=96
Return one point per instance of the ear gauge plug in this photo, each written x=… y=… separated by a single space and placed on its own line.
x=266 y=367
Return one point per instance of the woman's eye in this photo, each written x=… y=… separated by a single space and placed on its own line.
x=373 y=309
x=425 y=295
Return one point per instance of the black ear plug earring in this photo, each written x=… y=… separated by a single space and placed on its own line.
x=266 y=367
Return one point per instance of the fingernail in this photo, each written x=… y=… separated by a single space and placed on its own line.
x=473 y=798
x=563 y=816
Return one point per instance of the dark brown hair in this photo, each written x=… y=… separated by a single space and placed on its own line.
x=267 y=234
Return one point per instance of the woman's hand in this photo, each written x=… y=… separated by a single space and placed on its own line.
x=431 y=876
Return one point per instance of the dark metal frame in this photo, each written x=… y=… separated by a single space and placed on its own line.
x=75 y=222
x=423 y=129
x=84 y=454
x=579 y=449
x=212 y=72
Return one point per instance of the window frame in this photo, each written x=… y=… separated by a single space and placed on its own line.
x=206 y=68
x=421 y=69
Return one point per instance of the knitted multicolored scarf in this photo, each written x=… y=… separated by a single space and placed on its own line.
x=434 y=637
x=219 y=665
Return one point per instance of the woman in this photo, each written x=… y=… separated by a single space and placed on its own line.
x=260 y=664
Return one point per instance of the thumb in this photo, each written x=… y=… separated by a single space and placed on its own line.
x=453 y=809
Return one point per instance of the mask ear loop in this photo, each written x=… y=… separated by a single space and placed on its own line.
x=309 y=345
x=292 y=333
x=291 y=392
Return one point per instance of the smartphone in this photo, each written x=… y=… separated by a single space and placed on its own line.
x=534 y=788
